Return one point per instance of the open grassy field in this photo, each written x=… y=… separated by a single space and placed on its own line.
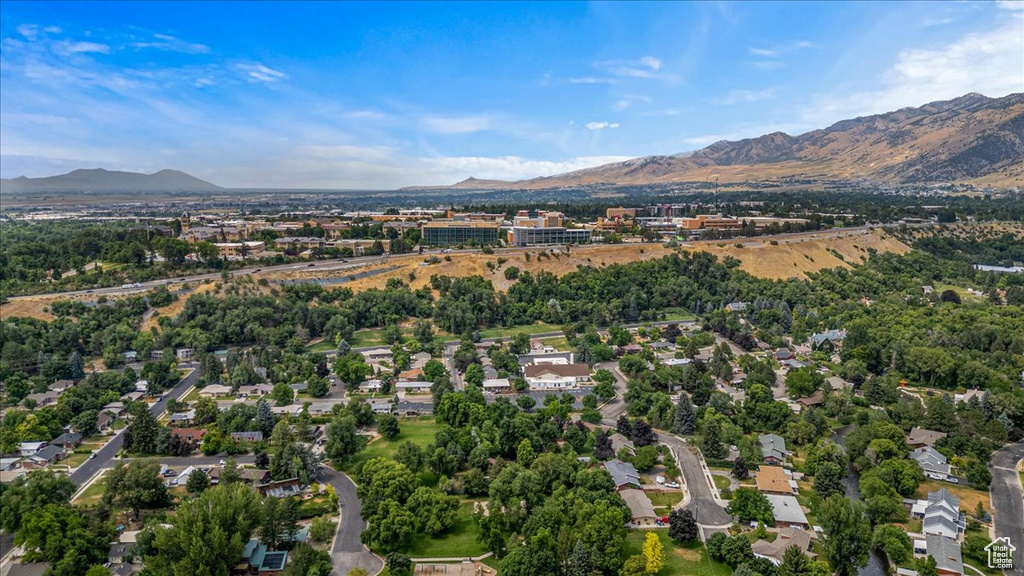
x=459 y=541
x=969 y=497
x=691 y=559
x=419 y=431
x=92 y=495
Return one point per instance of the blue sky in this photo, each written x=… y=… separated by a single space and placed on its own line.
x=383 y=95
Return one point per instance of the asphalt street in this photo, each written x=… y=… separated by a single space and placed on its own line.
x=109 y=451
x=348 y=551
x=1008 y=501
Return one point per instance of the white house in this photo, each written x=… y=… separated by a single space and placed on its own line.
x=556 y=377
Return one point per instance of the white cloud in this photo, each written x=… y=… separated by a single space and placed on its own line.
x=52 y=30
x=349 y=152
x=70 y=47
x=446 y=170
x=642 y=67
x=628 y=100
x=457 y=125
x=592 y=80
x=763 y=52
x=29 y=31
x=172 y=44
x=990 y=62
x=1011 y=4
x=746 y=96
x=601 y=125
x=261 y=73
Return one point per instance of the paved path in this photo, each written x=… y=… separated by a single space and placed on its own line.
x=1008 y=501
x=348 y=551
x=705 y=507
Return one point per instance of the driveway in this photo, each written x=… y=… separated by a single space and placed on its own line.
x=1008 y=501
x=348 y=551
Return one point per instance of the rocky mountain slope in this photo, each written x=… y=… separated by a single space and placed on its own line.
x=101 y=181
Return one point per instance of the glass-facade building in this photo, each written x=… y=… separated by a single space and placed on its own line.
x=460 y=233
x=530 y=236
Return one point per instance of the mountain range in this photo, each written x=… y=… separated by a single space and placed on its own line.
x=972 y=138
x=98 y=180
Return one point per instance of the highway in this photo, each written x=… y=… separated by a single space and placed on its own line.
x=1007 y=498
x=355 y=262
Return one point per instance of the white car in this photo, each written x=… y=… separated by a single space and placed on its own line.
x=659 y=479
x=672 y=484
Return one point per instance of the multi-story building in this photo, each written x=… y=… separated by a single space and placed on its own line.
x=532 y=236
x=239 y=250
x=453 y=232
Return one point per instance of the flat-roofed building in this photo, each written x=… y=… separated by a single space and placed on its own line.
x=542 y=236
x=453 y=232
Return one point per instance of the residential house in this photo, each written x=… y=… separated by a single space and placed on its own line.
x=947 y=555
x=185 y=353
x=555 y=376
x=787 y=512
x=142 y=386
x=773 y=551
x=496 y=385
x=132 y=396
x=620 y=442
x=41 y=399
x=932 y=461
x=837 y=383
x=784 y=354
x=30 y=448
x=193 y=436
x=280 y=488
x=130 y=356
x=60 y=386
x=815 y=399
x=254 y=476
x=775 y=480
x=289 y=410
x=641 y=511
x=215 y=391
x=773 y=449
x=942 y=515
x=828 y=341
x=67 y=440
x=378 y=355
x=672 y=362
x=623 y=473
x=920 y=437
x=414 y=387
x=736 y=307
x=371 y=385
x=419 y=360
x=256 y=390
x=116 y=409
x=183 y=417
x=299 y=387
x=411 y=375
x=103 y=421
x=254 y=436
x=43 y=457
x=418 y=408
x=258 y=559
x=380 y=405
x=11 y=463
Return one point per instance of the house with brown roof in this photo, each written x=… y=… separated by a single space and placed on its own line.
x=920 y=437
x=774 y=480
x=773 y=551
x=816 y=399
x=641 y=511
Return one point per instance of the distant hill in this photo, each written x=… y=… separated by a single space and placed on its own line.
x=101 y=181
x=972 y=138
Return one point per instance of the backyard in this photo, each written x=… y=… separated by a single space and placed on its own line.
x=691 y=559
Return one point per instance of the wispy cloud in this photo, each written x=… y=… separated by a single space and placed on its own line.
x=746 y=96
x=262 y=73
x=763 y=52
x=592 y=80
x=601 y=125
x=772 y=57
x=642 y=67
x=458 y=124
x=172 y=44
x=69 y=47
x=629 y=100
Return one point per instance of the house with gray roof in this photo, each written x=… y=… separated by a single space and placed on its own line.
x=773 y=449
x=787 y=512
x=946 y=551
x=942 y=515
x=932 y=462
x=921 y=437
x=623 y=473
x=641 y=511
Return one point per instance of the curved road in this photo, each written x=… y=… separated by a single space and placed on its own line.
x=348 y=551
x=1008 y=501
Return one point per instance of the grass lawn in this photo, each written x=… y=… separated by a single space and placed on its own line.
x=721 y=482
x=559 y=342
x=75 y=460
x=691 y=559
x=459 y=541
x=678 y=314
x=660 y=499
x=92 y=495
x=360 y=339
x=969 y=497
x=419 y=431
x=508 y=333
x=192 y=396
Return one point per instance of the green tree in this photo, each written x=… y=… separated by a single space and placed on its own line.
x=894 y=542
x=682 y=525
x=795 y=563
x=207 y=534
x=197 y=481
x=343 y=441
x=230 y=474
x=802 y=382
x=136 y=486
x=35 y=490
x=847 y=534
x=279 y=521
x=388 y=427
x=748 y=505
x=61 y=535
x=686 y=419
x=322 y=529
x=434 y=511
